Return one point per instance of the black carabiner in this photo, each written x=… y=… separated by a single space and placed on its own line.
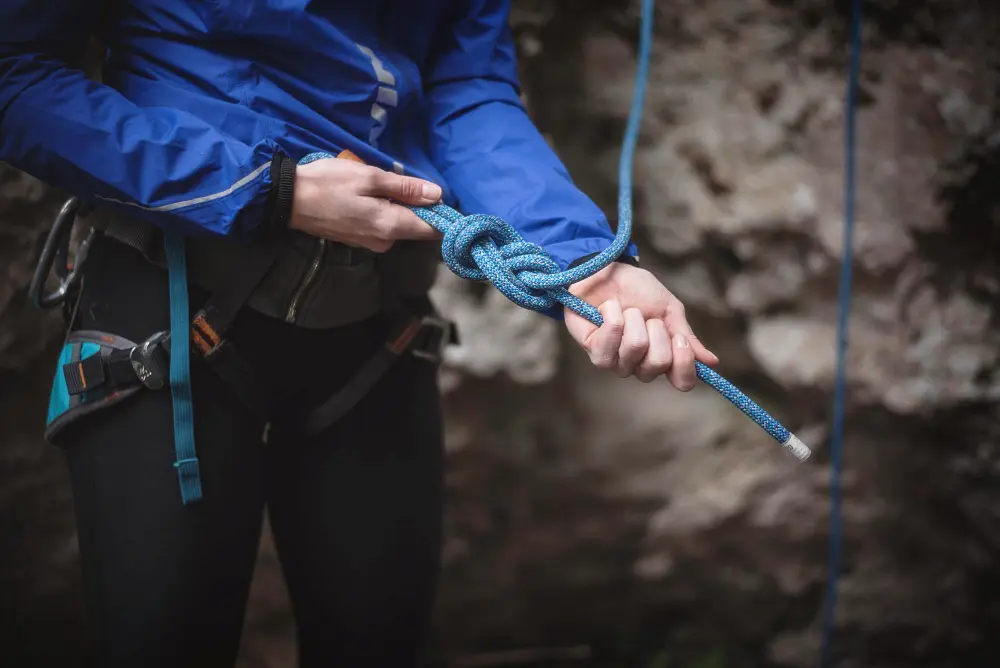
x=57 y=248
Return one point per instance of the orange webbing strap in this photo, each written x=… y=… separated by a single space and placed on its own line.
x=348 y=155
x=399 y=344
x=203 y=335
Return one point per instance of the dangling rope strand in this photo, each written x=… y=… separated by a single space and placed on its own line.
x=843 y=313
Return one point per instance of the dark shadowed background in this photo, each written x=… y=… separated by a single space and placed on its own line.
x=600 y=522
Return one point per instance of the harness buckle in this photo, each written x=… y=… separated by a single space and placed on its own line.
x=434 y=335
x=151 y=362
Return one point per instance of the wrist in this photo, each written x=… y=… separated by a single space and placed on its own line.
x=624 y=259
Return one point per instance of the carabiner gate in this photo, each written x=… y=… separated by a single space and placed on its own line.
x=56 y=248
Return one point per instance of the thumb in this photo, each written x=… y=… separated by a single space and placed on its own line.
x=579 y=328
x=404 y=189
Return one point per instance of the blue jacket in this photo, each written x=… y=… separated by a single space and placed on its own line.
x=199 y=96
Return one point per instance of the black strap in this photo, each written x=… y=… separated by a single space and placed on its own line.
x=422 y=336
x=224 y=305
x=413 y=330
x=83 y=374
x=232 y=368
x=337 y=406
x=119 y=368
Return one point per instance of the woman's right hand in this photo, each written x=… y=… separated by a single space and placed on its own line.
x=349 y=202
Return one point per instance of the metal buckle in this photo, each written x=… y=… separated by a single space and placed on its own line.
x=151 y=362
x=436 y=353
x=57 y=248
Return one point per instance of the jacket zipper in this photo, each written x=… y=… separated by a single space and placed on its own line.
x=310 y=278
x=307 y=282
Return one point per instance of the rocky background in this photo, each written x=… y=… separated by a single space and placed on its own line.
x=595 y=521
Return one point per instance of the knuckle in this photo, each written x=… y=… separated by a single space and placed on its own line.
x=381 y=234
x=384 y=220
x=659 y=358
x=657 y=366
x=408 y=188
x=370 y=179
x=635 y=344
x=605 y=361
x=683 y=382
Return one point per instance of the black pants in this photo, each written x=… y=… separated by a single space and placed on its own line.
x=355 y=511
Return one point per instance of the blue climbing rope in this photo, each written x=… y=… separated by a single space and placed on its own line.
x=843 y=313
x=482 y=247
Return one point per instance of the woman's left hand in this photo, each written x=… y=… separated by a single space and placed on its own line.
x=645 y=332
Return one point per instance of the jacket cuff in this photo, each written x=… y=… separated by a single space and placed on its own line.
x=279 y=201
x=625 y=259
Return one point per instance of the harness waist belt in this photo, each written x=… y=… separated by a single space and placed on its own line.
x=347 y=288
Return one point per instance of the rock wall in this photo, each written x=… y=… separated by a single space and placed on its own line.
x=631 y=524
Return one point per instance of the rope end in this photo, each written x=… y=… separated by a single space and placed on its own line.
x=797 y=447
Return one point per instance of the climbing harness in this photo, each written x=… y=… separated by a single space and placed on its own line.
x=843 y=313
x=97 y=369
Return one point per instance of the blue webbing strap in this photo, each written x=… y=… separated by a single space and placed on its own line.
x=180 y=370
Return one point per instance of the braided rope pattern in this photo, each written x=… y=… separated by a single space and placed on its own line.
x=482 y=247
x=763 y=419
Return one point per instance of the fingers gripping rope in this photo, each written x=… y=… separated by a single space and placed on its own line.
x=481 y=247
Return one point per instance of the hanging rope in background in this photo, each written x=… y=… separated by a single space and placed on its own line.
x=843 y=312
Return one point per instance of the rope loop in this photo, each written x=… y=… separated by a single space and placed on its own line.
x=482 y=247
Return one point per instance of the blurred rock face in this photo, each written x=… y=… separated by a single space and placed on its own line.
x=643 y=524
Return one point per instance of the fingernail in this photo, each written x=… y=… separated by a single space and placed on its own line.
x=431 y=191
x=680 y=341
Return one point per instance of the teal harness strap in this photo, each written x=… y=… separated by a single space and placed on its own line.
x=180 y=370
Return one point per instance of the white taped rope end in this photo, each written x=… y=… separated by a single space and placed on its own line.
x=797 y=447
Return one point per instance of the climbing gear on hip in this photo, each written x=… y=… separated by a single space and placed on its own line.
x=97 y=369
x=55 y=254
x=86 y=380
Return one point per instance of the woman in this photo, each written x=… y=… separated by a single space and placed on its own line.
x=196 y=131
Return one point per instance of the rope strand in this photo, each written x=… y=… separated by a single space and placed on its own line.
x=843 y=313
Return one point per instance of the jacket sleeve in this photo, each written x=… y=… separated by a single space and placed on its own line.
x=487 y=148
x=163 y=165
